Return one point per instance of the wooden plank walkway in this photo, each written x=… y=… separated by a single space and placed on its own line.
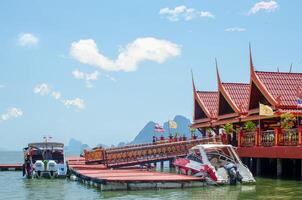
x=10 y=167
x=129 y=178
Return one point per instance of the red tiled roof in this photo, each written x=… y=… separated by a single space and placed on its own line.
x=296 y=111
x=239 y=93
x=210 y=100
x=282 y=85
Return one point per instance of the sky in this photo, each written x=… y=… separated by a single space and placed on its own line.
x=99 y=71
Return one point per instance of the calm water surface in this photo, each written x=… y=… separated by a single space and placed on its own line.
x=13 y=186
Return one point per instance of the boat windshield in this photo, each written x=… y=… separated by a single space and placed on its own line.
x=220 y=156
x=195 y=155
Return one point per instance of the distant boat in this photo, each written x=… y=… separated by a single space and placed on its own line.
x=44 y=159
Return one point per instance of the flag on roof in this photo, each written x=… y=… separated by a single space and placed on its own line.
x=265 y=110
x=172 y=124
x=158 y=128
x=299 y=102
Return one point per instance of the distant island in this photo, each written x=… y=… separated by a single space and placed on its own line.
x=146 y=134
x=76 y=147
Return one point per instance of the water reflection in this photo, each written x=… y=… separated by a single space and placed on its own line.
x=13 y=186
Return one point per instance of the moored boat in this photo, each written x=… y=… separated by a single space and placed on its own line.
x=44 y=159
x=217 y=163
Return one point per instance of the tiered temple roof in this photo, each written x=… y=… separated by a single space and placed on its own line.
x=234 y=102
x=210 y=101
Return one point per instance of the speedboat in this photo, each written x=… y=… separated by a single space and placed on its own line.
x=44 y=159
x=216 y=163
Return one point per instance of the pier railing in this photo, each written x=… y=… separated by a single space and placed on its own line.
x=248 y=139
x=131 y=155
x=269 y=138
x=288 y=137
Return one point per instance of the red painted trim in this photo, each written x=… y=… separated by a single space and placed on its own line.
x=226 y=116
x=201 y=125
x=221 y=122
x=202 y=120
x=293 y=152
x=300 y=134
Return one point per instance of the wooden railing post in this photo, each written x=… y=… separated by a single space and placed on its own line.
x=257 y=137
x=300 y=135
x=277 y=133
x=239 y=136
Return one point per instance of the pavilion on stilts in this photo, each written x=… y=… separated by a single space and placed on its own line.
x=233 y=112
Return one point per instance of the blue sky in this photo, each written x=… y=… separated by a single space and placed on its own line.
x=61 y=74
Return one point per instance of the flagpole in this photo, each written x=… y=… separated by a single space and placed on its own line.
x=169 y=128
x=298 y=114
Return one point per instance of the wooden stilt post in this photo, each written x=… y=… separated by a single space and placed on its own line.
x=300 y=169
x=161 y=164
x=279 y=167
x=258 y=167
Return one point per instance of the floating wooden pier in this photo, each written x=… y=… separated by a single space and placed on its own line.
x=10 y=167
x=131 y=178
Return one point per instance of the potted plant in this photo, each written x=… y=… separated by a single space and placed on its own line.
x=228 y=128
x=287 y=123
x=249 y=133
x=193 y=131
x=249 y=126
x=176 y=136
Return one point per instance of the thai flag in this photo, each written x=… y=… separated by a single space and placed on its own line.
x=299 y=102
x=158 y=128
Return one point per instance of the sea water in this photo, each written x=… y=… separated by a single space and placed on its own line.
x=14 y=186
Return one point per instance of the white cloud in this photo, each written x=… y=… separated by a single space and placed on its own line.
x=86 y=76
x=28 y=39
x=175 y=14
x=268 y=6
x=206 y=14
x=142 y=49
x=77 y=102
x=56 y=95
x=235 y=29
x=45 y=90
x=11 y=113
x=42 y=89
x=110 y=77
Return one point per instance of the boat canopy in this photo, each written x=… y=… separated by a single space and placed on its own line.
x=48 y=145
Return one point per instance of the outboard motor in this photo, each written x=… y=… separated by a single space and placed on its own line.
x=52 y=168
x=39 y=167
x=233 y=173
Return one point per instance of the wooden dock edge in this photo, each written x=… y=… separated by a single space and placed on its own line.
x=104 y=185
x=10 y=167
